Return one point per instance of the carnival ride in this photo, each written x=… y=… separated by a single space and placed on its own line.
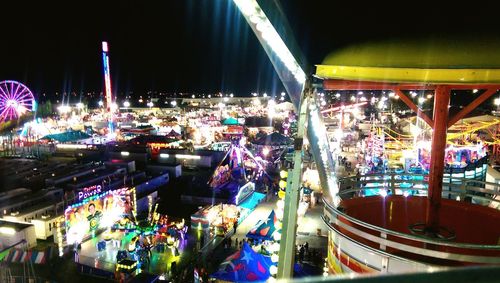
x=109 y=221
x=16 y=99
x=110 y=104
x=394 y=232
x=238 y=168
x=385 y=146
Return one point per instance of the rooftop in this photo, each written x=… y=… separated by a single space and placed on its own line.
x=17 y=226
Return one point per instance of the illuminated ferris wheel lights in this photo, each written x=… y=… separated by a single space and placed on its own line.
x=15 y=100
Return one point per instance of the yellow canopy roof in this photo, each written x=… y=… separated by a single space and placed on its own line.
x=466 y=60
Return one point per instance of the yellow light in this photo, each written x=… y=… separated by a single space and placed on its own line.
x=282 y=184
x=281 y=194
x=283 y=174
x=7 y=230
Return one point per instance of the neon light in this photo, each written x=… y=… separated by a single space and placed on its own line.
x=107 y=83
x=104 y=46
x=89 y=191
x=15 y=100
x=185 y=156
x=95 y=211
x=60 y=244
x=158 y=145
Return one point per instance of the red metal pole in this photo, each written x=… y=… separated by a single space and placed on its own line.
x=472 y=105
x=441 y=102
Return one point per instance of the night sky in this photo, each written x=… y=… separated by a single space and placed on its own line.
x=202 y=46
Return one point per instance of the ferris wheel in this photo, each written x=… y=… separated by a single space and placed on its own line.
x=15 y=100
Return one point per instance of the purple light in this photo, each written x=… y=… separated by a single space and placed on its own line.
x=15 y=100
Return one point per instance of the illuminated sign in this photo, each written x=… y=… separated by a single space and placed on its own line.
x=89 y=191
x=158 y=145
x=97 y=211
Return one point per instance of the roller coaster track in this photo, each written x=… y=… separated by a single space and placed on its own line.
x=473 y=129
x=470 y=128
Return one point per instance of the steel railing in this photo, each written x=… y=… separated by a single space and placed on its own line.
x=411 y=245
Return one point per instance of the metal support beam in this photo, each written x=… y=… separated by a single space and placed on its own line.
x=289 y=226
x=473 y=105
x=413 y=107
x=441 y=102
x=364 y=85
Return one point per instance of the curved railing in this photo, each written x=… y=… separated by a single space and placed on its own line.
x=475 y=191
x=410 y=246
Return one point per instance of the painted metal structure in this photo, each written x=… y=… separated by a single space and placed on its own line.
x=293 y=78
x=439 y=123
x=356 y=245
x=408 y=67
x=381 y=245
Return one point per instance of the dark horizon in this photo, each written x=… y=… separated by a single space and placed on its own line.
x=197 y=46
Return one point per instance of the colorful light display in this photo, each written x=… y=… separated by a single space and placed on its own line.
x=95 y=212
x=107 y=83
x=15 y=100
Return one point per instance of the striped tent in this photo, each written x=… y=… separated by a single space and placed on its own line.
x=20 y=256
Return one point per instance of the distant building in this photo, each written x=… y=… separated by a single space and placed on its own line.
x=16 y=233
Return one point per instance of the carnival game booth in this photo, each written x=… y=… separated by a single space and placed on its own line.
x=245 y=265
x=399 y=233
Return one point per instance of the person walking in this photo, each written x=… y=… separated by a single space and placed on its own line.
x=301 y=254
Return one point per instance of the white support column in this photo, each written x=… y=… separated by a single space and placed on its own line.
x=289 y=226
